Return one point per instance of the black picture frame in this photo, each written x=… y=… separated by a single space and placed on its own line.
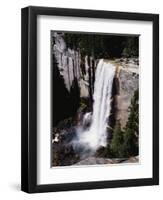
x=29 y=99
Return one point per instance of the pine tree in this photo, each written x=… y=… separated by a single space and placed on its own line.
x=131 y=134
x=117 y=141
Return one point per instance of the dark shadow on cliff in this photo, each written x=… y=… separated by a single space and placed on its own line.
x=64 y=103
x=112 y=117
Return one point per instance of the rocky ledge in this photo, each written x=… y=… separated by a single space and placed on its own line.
x=96 y=160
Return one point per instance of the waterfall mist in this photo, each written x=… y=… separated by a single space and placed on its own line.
x=88 y=141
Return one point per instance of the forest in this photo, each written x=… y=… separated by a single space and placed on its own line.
x=103 y=46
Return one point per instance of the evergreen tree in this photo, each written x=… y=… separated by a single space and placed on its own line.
x=131 y=134
x=103 y=46
x=117 y=141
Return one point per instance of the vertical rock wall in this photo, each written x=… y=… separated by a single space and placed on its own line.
x=128 y=78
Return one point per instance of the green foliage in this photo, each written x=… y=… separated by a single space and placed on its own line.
x=132 y=127
x=103 y=46
x=130 y=147
x=131 y=47
x=124 y=143
x=105 y=152
x=117 y=141
x=82 y=107
x=133 y=119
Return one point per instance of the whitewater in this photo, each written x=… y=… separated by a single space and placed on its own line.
x=96 y=135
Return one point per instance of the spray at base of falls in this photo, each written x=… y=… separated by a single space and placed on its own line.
x=96 y=136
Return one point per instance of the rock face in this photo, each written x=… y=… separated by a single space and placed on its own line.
x=128 y=78
x=96 y=160
x=68 y=60
x=70 y=65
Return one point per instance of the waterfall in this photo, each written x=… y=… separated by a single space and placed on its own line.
x=96 y=136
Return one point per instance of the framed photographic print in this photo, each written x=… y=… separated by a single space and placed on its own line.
x=90 y=99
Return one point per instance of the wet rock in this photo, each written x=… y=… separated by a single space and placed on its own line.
x=63 y=155
x=87 y=118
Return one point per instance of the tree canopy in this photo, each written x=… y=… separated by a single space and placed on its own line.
x=103 y=45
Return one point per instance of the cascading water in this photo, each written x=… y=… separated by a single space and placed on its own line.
x=96 y=136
